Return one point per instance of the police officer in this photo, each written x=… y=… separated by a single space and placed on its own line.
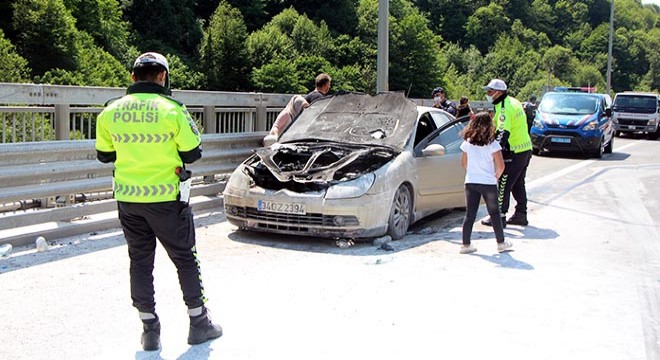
x=440 y=101
x=511 y=125
x=530 y=107
x=149 y=137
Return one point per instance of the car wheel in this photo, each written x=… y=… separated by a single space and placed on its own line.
x=653 y=135
x=610 y=145
x=617 y=133
x=536 y=151
x=598 y=153
x=399 y=220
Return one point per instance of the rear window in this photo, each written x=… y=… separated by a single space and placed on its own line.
x=635 y=103
x=569 y=103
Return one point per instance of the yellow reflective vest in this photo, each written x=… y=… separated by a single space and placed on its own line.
x=510 y=116
x=147 y=131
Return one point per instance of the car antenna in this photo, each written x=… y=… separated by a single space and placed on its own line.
x=408 y=93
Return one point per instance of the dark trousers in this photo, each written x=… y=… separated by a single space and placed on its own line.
x=512 y=182
x=172 y=223
x=474 y=193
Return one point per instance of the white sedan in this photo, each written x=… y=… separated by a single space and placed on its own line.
x=352 y=166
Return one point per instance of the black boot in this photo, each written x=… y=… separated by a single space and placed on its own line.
x=151 y=334
x=202 y=329
x=518 y=219
x=487 y=222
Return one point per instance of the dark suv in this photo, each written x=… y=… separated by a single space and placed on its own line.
x=573 y=121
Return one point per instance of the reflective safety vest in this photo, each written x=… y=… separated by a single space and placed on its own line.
x=147 y=131
x=510 y=116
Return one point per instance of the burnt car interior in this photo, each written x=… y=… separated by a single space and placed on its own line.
x=425 y=127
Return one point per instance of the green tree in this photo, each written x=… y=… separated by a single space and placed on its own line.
x=102 y=19
x=13 y=67
x=224 y=53
x=166 y=26
x=46 y=34
x=414 y=56
x=449 y=17
x=511 y=61
x=95 y=67
x=182 y=76
x=278 y=76
x=557 y=60
x=485 y=26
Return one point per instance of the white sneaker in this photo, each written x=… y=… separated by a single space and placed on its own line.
x=468 y=249
x=504 y=246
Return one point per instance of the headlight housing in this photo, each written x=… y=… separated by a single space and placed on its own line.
x=351 y=189
x=652 y=122
x=239 y=180
x=591 y=125
x=538 y=123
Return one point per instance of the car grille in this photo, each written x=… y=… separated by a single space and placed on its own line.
x=557 y=126
x=635 y=122
x=294 y=221
x=562 y=133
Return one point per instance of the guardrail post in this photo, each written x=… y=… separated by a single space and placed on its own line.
x=210 y=123
x=62 y=119
x=261 y=115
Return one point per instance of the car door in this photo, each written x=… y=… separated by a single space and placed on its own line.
x=440 y=178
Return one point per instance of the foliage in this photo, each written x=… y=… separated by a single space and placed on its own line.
x=13 y=67
x=280 y=45
x=223 y=52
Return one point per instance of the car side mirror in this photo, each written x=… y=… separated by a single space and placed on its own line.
x=434 y=150
x=608 y=112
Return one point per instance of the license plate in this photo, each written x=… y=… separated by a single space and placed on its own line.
x=561 y=140
x=281 y=207
x=631 y=127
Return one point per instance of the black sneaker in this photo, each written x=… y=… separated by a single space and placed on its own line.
x=487 y=222
x=202 y=329
x=518 y=219
x=151 y=335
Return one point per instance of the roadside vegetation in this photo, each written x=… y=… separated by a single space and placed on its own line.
x=280 y=45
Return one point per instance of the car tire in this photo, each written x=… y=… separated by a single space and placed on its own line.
x=653 y=135
x=399 y=220
x=598 y=153
x=536 y=151
x=617 y=133
x=609 y=146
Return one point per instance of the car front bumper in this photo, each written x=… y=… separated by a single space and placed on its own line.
x=565 y=141
x=365 y=216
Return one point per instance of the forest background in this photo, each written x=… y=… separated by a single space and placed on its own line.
x=279 y=46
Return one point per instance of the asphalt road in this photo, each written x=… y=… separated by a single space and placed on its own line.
x=583 y=282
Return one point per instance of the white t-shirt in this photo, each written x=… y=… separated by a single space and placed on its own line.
x=480 y=164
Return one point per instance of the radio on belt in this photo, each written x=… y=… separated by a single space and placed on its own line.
x=185 y=180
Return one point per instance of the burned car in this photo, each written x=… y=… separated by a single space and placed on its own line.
x=354 y=166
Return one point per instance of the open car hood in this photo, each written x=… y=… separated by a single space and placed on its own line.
x=385 y=119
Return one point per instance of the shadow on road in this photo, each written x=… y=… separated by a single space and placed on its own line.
x=506 y=260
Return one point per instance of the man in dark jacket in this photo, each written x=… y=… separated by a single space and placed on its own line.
x=440 y=101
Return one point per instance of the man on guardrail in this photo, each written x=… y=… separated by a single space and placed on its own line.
x=150 y=137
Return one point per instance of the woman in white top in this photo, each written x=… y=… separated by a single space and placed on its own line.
x=482 y=160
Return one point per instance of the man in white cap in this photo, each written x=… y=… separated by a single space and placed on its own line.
x=149 y=137
x=511 y=125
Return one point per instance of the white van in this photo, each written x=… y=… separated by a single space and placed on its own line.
x=636 y=112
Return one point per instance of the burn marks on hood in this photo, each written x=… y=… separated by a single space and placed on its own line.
x=314 y=166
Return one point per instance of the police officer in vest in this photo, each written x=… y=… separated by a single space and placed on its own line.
x=150 y=137
x=511 y=125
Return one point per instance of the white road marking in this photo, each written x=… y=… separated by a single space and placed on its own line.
x=541 y=181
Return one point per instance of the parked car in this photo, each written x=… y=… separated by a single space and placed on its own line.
x=636 y=112
x=354 y=166
x=573 y=121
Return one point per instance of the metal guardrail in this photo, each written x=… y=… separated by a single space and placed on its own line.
x=37 y=112
x=53 y=173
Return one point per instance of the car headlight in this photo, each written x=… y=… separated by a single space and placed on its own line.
x=351 y=189
x=538 y=123
x=591 y=125
x=652 y=122
x=239 y=180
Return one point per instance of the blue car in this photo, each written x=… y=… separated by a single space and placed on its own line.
x=573 y=122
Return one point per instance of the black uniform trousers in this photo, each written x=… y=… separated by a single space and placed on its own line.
x=512 y=182
x=172 y=223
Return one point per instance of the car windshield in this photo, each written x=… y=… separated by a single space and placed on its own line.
x=635 y=102
x=383 y=119
x=569 y=104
